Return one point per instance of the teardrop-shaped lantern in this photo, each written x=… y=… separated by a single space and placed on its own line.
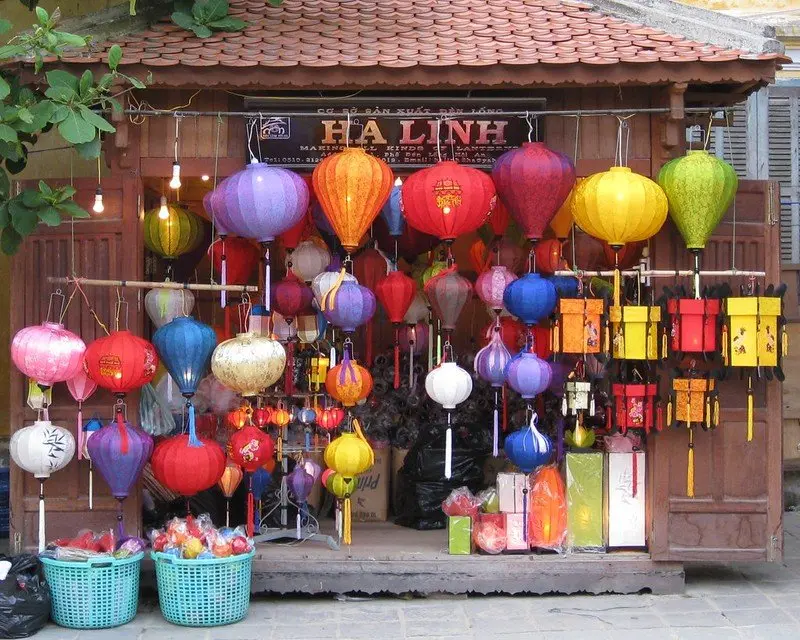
x=185 y=346
x=396 y=292
x=171 y=237
x=392 y=211
x=448 y=292
x=164 y=305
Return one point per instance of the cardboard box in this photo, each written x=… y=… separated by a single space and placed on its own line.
x=626 y=507
x=510 y=491
x=371 y=497
x=515 y=533
x=459 y=535
x=398 y=458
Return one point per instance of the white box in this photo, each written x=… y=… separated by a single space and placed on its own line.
x=626 y=507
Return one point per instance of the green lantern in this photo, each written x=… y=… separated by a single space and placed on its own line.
x=171 y=231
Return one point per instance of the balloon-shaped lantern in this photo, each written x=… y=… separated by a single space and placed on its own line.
x=352 y=186
x=491 y=285
x=490 y=365
x=119 y=451
x=228 y=483
x=533 y=181
x=448 y=292
x=700 y=188
x=234 y=259
x=309 y=260
x=528 y=374
x=164 y=305
x=448 y=385
x=248 y=363
x=348 y=306
x=348 y=382
x=291 y=297
x=325 y=281
x=47 y=353
x=81 y=387
x=396 y=292
x=42 y=449
x=173 y=235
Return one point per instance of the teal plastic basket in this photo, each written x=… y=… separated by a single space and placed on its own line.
x=97 y=594
x=203 y=593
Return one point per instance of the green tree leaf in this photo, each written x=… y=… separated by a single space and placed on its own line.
x=86 y=82
x=96 y=120
x=137 y=84
x=32 y=199
x=23 y=220
x=72 y=209
x=89 y=150
x=183 y=20
x=25 y=115
x=5 y=88
x=59 y=78
x=4 y=217
x=7 y=134
x=70 y=39
x=114 y=56
x=228 y=24
x=49 y=216
x=42 y=16
x=216 y=9
x=201 y=31
x=10 y=241
x=60 y=113
x=45 y=189
x=5 y=184
x=75 y=130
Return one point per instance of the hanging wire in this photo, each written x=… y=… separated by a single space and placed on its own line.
x=623 y=140
x=439 y=138
x=177 y=125
x=250 y=129
x=730 y=158
x=72 y=218
x=258 y=134
x=708 y=131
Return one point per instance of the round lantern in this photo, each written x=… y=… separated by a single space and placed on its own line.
x=528 y=448
x=164 y=305
x=309 y=260
x=548 y=256
x=414 y=339
x=448 y=200
x=448 y=292
x=291 y=297
x=248 y=363
x=250 y=448
x=179 y=233
x=490 y=365
x=396 y=292
x=533 y=182
x=340 y=486
x=325 y=281
x=491 y=285
x=185 y=468
x=237 y=418
x=528 y=374
x=300 y=483
x=348 y=306
x=47 y=353
x=348 y=382
x=352 y=186
x=448 y=385
x=349 y=455
x=392 y=211
x=121 y=362
x=307 y=415
x=530 y=298
x=185 y=346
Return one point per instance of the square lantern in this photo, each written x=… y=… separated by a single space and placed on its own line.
x=635 y=407
x=581 y=325
x=753 y=339
x=634 y=332
x=693 y=324
x=459 y=535
x=585 y=500
x=259 y=320
x=318 y=371
x=577 y=397
x=693 y=401
x=626 y=499
x=515 y=532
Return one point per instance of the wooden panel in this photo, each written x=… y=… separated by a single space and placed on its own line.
x=737 y=508
x=105 y=246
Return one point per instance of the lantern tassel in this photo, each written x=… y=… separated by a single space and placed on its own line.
x=664 y=353
x=669 y=412
x=496 y=430
x=411 y=363
x=397 y=358
x=525 y=510
x=41 y=517
x=194 y=441
x=347 y=536
x=267 y=277
x=223 y=297
x=725 y=359
x=635 y=475
x=448 y=450
x=228 y=512
x=79 y=434
x=708 y=413
x=430 y=343
x=250 y=512
x=169 y=388
x=784 y=343
x=91 y=485
x=555 y=340
x=716 y=412
x=750 y=409
x=690 y=469
x=123 y=433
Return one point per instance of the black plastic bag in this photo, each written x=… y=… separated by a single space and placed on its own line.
x=24 y=597
x=422 y=485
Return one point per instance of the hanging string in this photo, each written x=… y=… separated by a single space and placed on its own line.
x=177 y=123
x=72 y=218
x=214 y=186
x=708 y=132
x=250 y=127
x=623 y=141
x=258 y=136
x=439 y=139
x=347 y=132
x=530 y=125
x=730 y=159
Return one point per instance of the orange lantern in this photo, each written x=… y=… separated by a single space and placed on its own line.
x=281 y=417
x=228 y=483
x=547 y=520
x=237 y=418
x=262 y=416
x=352 y=186
x=548 y=256
x=580 y=326
x=349 y=382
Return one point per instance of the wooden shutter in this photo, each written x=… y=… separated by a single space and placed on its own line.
x=737 y=509
x=108 y=245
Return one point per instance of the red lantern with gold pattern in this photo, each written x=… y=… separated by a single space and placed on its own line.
x=187 y=469
x=120 y=362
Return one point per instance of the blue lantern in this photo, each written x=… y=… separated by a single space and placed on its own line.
x=260 y=481
x=566 y=286
x=528 y=448
x=185 y=347
x=530 y=298
x=392 y=211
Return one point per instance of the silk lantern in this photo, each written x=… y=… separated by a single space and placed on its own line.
x=47 y=353
x=291 y=239
x=164 y=305
x=171 y=237
x=81 y=387
x=448 y=385
x=530 y=298
x=548 y=256
x=533 y=181
x=627 y=257
x=42 y=449
x=348 y=382
x=499 y=219
x=352 y=186
x=300 y=483
x=121 y=362
x=396 y=292
x=234 y=259
x=309 y=260
x=548 y=509
x=369 y=266
x=392 y=211
x=248 y=363
x=528 y=374
x=491 y=285
x=490 y=365
x=448 y=200
x=348 y=306
x=250 y=448
x=325 y=281
x=528 y=448
x=291 y=297
x=186 y=468
x=119 y=451
x=228 y=483
x=448 y=292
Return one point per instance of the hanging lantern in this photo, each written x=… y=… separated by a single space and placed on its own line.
x=579 y=326
x=186 y=468
x=581 y=437
x=693 y=324
x=309 y=260
x=512 y=332
x=528 y=374
x=499 y=219
x=81 y=387
x=369 y=267
x=170 y=237
x=291 y=239
x=503 y=252
x=164 y=305
x=448 y=200
x=250 y=448
x=306 y=416
x=490 y=365
x=528 y=448
x=635 y=332
x=185 y=346
x=392 y=211
x=548 y=256
x=300 y=483
x=491 y=285
x=262 y=416
x=340 y=486
x=636 y=406
x=431 y=271
x=533 y=182
x=348 y=382
x=548 y=510
x=228 y=483
x=448 y=292
x=325 y=281
x=530 y=298
x=396 y=292
x=327 y=420
x=237 y=418
x=352 y=186
x=311 y=327
x=448 y=385
x=627 y=257
x=561 y=224
x=414 y=338
x=290 y=298
x=348 y=306
x=119 y=451
x=248 y=363
x=280 y=417
x=235 y=259
x=47 y=353
x=121 y=362
x=578 y=397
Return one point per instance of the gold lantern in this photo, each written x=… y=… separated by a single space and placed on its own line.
x=248 y=363
x=579 y=328
x=634 y=332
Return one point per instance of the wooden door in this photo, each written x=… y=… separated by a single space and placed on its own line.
x=736 y=514
x=107 y=245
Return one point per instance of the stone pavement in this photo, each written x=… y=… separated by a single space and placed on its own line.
x=734 y=601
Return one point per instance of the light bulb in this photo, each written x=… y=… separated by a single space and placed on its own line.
x=446 y=211
x=175 y=183
x=398 y=182
x=98 y=201
x=205 y=177
x=163 y=212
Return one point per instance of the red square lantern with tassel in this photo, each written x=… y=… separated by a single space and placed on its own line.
x=694 y=324
x=636 y=407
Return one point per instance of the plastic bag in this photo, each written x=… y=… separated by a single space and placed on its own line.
x=154 y=413
x=24 y=597
x=489 y=532
x=547 y=510
x=461 y=502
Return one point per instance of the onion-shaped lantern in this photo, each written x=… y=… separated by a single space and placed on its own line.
x=528 y=448
x=530 y=298
x=528 y=374
x=348 y=306
x=187 y=468
x=325 y=281
x=491 y=285
x=164 y=305
x=121 y=362
x=47 y=353
x=348 y=382
x=309 y=260
x=172 y=236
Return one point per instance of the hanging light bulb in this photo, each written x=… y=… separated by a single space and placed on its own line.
x=98 y=201
x=398 y=182
x=205 y=177
x=175 y=183
x=163 y=212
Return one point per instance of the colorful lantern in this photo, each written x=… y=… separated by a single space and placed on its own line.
x=228 y=483
x=369 y=267
x=491 y=285
x=348 y=306
x=185 y=346
x=636 y=406
x=693 y=324
x=448 y=385
x=561 y=224
x=325 y=281
x=248 y=363
x=119 y=451
x=392 y=211
x=635 y=332
x=448 y=292
x=164 y=305
x=530 y=298
x=291 y=239
x=42 y=449
x=528 y=374
x=348 y=382
x=250 y=448
x=309 y=260
x=490 y=365
x=234 y=259
x=585 y=476
x=579 y=327
x=625 y=258
x=528 y=448
x=352 y=186
x=548 y=256
x=81 y=387
x=432 y=270
x=340 y=486
x=396 y=292
x=581 y=437
x=237 y=418
x=499 y=219
x=171 y=237
x=512 y=332
x=121 y=362
x=186 y=468
x=533 y=182
x=414 y=339
x=300 y=483
x=47 y=353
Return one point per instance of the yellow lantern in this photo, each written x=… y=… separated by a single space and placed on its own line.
x=340 y=486
x=634 y=330
x=561 y=224
x=248 y=363
x=172 y=231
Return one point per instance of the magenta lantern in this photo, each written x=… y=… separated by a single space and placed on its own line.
x=48 y=353
x=81 y=386
x=491 y=284
x=533 y=182
x=448 y=292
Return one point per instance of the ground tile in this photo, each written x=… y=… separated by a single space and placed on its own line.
x=681 y=604
x=636 y=634
x=754 y=617
x=128 y=632
x=712 y=619
x=370 y=631
x=634 y=620
x=54 y=632
x=172 y=633
x=591 y=634
x=501 y=623
x=772 y=632
x=310 y=631
x=745 y=601
x=562 y=622
x=436 y=627
x=705 y=633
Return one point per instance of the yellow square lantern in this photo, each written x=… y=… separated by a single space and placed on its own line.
x=581 y=326
x=753 y=338
x=634 y=332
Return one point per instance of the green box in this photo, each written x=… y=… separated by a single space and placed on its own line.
x=585 y=499
x=459 y=535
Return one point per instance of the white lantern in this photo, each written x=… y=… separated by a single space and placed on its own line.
x=248 y=363
x=42 y=449
x=324 y=282
x=449 y=385
x=164 y=305
x=308 y=260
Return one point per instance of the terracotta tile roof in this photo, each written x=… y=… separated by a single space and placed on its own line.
x=416 y=33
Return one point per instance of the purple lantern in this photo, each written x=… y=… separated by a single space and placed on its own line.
x=528 y=374
x=119 y=451
x=211 y=203
x=312 y=468
x=300 y=483
x=448 y=292
x=349 y=306
x=491 y=284
x=490 y=365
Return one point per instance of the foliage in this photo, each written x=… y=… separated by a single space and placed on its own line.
x=73 y=104
x=203 y=17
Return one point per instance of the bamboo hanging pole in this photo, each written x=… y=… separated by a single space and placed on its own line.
x=139 y=284
x=665 y=273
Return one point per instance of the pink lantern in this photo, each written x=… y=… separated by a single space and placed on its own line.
x=48 y=353
x=81 y=386
x=491 y=284
x=448 y=292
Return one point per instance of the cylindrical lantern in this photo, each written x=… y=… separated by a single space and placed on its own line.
x=548 y=510
x=47 y=353
x=635 y=407
x=179 y=233
x=164 y=305
x=248 y=363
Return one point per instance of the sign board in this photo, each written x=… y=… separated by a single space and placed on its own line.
x=405 y=137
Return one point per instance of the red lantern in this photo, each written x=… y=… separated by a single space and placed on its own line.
x=448 y=292
x=395 y=292
x=338 y=415
x=250 y=448
x=240 y=257
x=478 y=256
x=238 y=418
x=185 y=469
x=294 y=236
x=120 y=362
x=499 y=219
x=694 y=324
x=369 y=267
x=548 y=256
x=448 y=200
x=291 y=297
x=629 y=255
x=635 y=407
x=326 y=420
x=262 y=416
